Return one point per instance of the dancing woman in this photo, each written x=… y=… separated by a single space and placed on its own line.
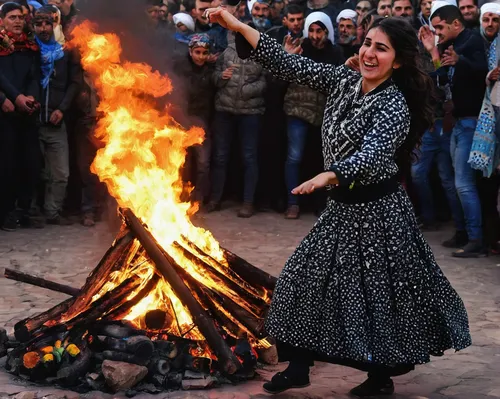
x=363 y=288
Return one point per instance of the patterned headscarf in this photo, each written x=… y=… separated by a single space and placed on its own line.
x=199 y=40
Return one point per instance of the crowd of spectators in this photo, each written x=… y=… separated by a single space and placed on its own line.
x=263 y=136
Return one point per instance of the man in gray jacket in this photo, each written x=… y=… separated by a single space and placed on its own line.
x=239 y=106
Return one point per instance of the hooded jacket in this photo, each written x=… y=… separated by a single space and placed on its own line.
x=244 y=92
x=303 y=102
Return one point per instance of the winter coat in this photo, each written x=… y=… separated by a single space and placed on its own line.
x=303 y=102
x=65 y=83
x=199 y=88
x=244 y=92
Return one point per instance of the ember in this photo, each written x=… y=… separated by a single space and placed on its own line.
x=165 y=298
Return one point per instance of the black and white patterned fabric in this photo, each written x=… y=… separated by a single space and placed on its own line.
x=364 y=284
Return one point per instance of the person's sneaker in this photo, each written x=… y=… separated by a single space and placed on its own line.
x=293 y=212
x=373 y=387
x=212 y=206
x=246 y=211
x=459 y=240
x=59 y=221
x=474 y=249
x=282 y=382
x=10 y=222
x=88 y=219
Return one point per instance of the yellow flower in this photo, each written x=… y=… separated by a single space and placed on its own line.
x=49 y=357
x=73 y=350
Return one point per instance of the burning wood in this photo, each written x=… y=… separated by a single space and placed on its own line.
x=165 y=299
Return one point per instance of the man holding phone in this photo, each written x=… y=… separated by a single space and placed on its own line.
x=19 y=90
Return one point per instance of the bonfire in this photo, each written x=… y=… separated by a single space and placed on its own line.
x=166 y=297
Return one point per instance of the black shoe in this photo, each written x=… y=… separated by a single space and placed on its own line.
x=10 y=222
x=282 y=382
x=474 y=249
x=374 y=386
x=459 y=240
x=60 y=221
x=212 y=206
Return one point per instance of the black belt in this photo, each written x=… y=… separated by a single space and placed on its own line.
x=364 y=193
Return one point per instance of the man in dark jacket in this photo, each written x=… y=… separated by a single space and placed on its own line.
x=304 y=106
x=197 y=76
x=19 y=91
x=463 y=57
x=61 y=80
x=293 y=24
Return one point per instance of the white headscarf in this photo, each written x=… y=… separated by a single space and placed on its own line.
x=324 y=19
x=437 y=4
x=185 y=19
x=348 y=14
x=490 y=7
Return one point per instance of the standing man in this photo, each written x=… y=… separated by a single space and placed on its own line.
x=347 y=27
x=293 y=24
x=260 y=12
x=61 y=80
x=490 y=22
x=304 y=106
x=68 y=14
x=403 y=9
x=384 y=8
x=470 y=12
x=19 y=92
x=464 y=63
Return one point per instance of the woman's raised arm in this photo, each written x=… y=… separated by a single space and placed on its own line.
x=270 y=54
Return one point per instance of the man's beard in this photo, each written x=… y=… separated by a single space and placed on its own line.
x=347 y=39
x=261 y=23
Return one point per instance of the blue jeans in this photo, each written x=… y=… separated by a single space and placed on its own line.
x=436 y=146
x=226 y=126
x=297 y=133
x=465 y=176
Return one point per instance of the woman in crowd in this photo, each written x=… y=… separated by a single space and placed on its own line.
x=363 y=288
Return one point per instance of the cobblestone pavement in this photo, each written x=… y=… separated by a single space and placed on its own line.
x=68 y=254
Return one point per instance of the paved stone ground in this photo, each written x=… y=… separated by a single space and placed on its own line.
x=68 y=254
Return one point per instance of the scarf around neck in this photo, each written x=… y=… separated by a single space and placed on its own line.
x=49 y=53
x=10 y=43
x=485 y=151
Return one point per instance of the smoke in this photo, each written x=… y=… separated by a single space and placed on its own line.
x=141 y=40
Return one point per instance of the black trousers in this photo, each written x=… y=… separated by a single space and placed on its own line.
x=307 y=357
x=20 y=162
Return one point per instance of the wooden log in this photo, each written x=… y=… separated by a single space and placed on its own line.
x=26 y=329
x=253 y=299
x=248 y=271
x=113 y=260
x=40 y=282
x=230 y=363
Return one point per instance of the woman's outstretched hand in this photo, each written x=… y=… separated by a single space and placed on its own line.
x=223 y=17
x=322 y=180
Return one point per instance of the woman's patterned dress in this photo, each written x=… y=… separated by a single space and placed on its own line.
x=363 y=285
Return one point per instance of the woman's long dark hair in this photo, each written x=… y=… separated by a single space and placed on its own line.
x=415 y=84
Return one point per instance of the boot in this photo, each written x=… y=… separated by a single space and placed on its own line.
x=293 y=212
x=374 y=386
x=474 y=249
x=296 y=375
x=246 y=210
x=459 y=240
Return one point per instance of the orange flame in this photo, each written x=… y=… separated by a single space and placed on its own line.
x=144 y=150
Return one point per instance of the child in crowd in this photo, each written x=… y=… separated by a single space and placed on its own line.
x=199 y=89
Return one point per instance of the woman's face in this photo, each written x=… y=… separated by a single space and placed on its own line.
x=363 y=7
x=425 y=7
x=377 y=57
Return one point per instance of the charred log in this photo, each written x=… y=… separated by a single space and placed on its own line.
x=164 y=265
x=40 y=282
x=26 y=329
